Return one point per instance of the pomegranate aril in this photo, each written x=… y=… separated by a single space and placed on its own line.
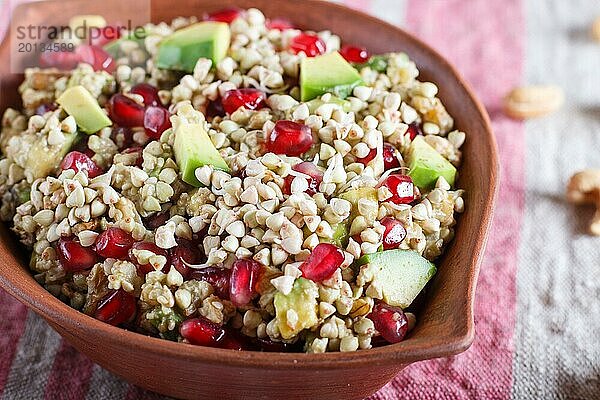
x=311 y=45
x=355 y=54
x=250 y=99
x=389 y=157
x=183 y=253
x=322 y=263
x=314 y=180
x=97 y=57
x=116 y=308
x=156 y=220
x=74 y=257
x=156 y=121
x=227 y=15
x=80 y=162
x=289 y=138
x=215 y=109
x=63 y=60
x=202 y=332
x=105 y=35
x=217 y=277
x=125 y=112
x=402 y=188
x=44 y=108
x=148 y=92
x=280 y=24
x=368 y=158
x=271 y=346
x=394 y=233
x=414 y=130
x=143 y=269
x=234 y=340
x=245 y=275
x=114 y=243
x=390 y=322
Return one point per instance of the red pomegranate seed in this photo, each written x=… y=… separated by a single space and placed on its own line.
x=389 y=321
x=215 y=109
x=389 y=157
x=234 y=340
x=156 y=220
x=116 y=308
x=314 y=180
x=322 y=263
x=143 y=269
x=114 y=243
x=80 y=162
x=105 y=35
x=156 y=121
x=394 y=233
x=271 y=346
x=202 y=332
x=97 y=57
x=245 y=274
x=311 y=45
x=227 y=15
x=280 y=24
x=249 y=98
x=148 y=92
x=125 y=112
x=184 y=252
x=218 y=278
x=290 y=138
x=44 y=108
x=63 y=60
x=74 y=257
x=414 y=130
x=402 y=188
x=355 y=54
x=368 y=158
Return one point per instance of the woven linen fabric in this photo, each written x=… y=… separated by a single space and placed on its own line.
x=537 y=306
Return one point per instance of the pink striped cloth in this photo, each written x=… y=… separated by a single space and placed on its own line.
x=485 y=40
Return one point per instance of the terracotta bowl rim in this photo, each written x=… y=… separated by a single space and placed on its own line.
x=413 y=349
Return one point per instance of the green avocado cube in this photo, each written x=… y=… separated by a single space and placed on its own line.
x=303 y=301
x=329 y=73
x=42 y=159
x=181 y=50
x=426 y=165
x=79 y=103
x=367 y=193
x=193 y=149
x=316 y=103
x=401 y=274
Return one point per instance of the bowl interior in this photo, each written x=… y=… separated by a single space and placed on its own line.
x=445 y=321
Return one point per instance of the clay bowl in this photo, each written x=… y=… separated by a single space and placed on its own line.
x=445 y=322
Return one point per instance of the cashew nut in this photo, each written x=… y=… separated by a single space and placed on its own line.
x=584 y=188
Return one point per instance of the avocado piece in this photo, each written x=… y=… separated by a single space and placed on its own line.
x=183 y=48
x=427 y=165
x=401 y=274
x=340 y=235
x=318 y=102
x=79 y=103
x=327 y=73
x=193 y=149
x=377 y=63
x=302 y=300
x=354 y=195
x=42 y=159
x=114 y=47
